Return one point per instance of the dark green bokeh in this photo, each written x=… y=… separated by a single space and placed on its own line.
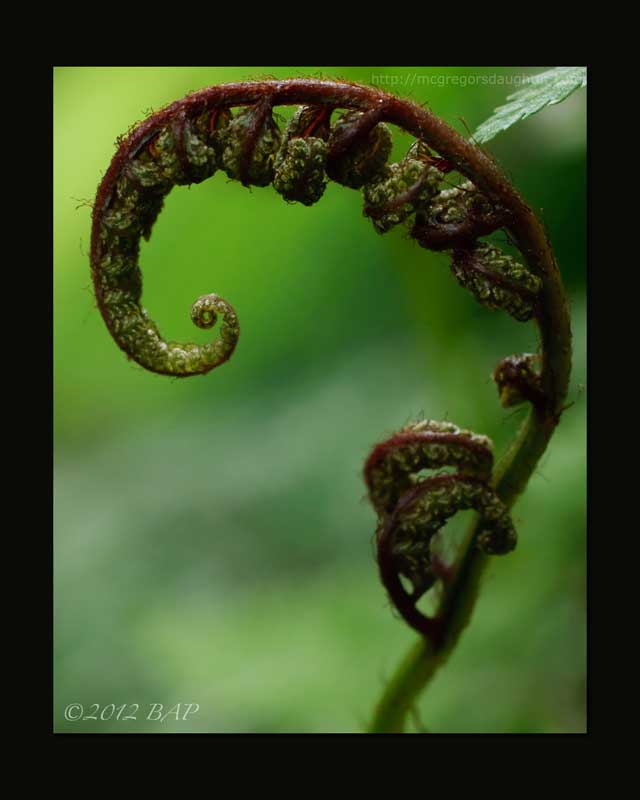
x=212 y=540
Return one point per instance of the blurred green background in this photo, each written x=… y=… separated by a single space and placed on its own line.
x=212 y=540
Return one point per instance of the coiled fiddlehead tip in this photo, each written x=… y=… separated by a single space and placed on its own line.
x=204 y=311
x=204 y=314
x=183 y=149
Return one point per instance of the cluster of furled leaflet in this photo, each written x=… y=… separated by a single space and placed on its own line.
x=353 y=151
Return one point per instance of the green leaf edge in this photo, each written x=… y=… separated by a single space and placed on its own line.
x=548 y=88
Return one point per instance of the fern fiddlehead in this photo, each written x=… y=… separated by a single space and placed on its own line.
x=232 y=128
x=411 y=512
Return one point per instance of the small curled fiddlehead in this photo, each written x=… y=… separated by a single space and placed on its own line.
x=400 y=190
x=413 y=509
x=301 y=162
x=359 y=148
x=497 y=280
x=232 y=128
x=250 y=143
x=457 y=217
x=518 y=381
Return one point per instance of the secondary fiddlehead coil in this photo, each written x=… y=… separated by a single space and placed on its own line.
x=518 y=381
x=413 y=509
x=232 y=128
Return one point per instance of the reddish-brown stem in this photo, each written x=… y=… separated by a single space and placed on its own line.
x=261 y=113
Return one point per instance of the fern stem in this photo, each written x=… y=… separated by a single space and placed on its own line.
x=511 y=476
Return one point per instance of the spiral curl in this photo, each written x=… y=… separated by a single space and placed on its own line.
x=193 y=139
x=413 y=509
